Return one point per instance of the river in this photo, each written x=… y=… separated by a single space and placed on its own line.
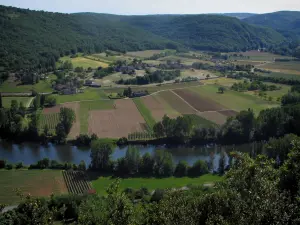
x=29 y=153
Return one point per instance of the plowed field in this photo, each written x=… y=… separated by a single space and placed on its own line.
x=116 y=123
x=215 y=117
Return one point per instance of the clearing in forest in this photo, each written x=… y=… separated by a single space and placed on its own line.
x=116 y=123
x=39 y=183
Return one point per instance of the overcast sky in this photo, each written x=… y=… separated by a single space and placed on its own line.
x=137 y=7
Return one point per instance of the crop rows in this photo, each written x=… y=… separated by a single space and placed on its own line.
x=50 y=119
x=141 y=136
x=76 y=182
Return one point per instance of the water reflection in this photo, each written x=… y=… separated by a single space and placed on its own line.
x=29 y=153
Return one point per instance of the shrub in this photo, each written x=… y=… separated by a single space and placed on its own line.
x=9 y=166
x=19 y=165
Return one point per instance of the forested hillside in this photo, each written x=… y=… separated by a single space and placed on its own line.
x=36 y=39
x=286 y=22
x=207 y=32
x=31 y=39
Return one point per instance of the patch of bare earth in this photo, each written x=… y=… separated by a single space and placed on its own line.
x=52 y=110
x=215 y=117
x=116 y=123
x=198 y=102
x=228 y=113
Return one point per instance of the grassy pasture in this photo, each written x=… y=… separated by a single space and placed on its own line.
x=200 y=74
x=233 y=100
x=89 y=94
x=292 y=67
x=6 y=101
x=145 y=112
x=36 y=182
x=200 y=120
x=146 y=53
x=110 y=80
x=84 y=62
x=101 y=183
x=41 y=87
x=281 y=75
x=223 y=81
x=87 y=106
x=260 y=56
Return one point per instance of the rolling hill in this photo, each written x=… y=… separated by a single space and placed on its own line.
x=285 y=22
x=36 y=39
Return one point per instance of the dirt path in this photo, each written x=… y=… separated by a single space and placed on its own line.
x=29 y=103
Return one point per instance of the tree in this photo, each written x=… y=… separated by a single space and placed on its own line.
x=158 y=130
x=67 y=118
x=132 y=158
x=146 y=165
x=221 y=90
x=163 y=163
x=1 y=105
x=61 y=134
x=181 y=169
x=82 y=166
x=37 y=102
x=50 y=101
x=199 y=168
x=100 y=156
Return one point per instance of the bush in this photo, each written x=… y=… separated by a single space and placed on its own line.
x=122 y=141
x=199 y=168
x=9 y=166
x=2 y=164
x=19 y=165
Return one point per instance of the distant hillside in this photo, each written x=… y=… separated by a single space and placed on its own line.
x=36 y=39
x=207 y=32
x=286 y=22
x=239 y=15
x=30 y=39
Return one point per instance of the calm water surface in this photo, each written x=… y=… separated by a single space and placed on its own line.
x=30 y=153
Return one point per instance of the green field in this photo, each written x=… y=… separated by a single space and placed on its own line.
x=110 y=79
x=200 y=120
x=84 y=62
x=259 y=56
x=102 y=183
x=50 y=119
x=147 y=53
x=233 y=100
x=35 y=182
x=87 y=106
x=281 y=75
x=145 y=112
x=89 y=94
x=44 y=86
x=6 y=101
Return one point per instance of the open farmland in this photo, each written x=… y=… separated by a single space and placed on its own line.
x=86 y=107
x=77 y=182
x=196 y=101
x=223 y=81
x=291 y=67
x=176 y=103
x=200 y=74
x=89 y=94
x=6 y=101
x=261 y=56
x=111 y=79
x=215 y=117
x=145 y=112
x=40 y=183
x=100 y=184
x=84 y=62
x=116 y=123
x=146 y=53
x=233 y=100
x=198 y=119
x=49 y=119
x=281 y=75
x=158 y=108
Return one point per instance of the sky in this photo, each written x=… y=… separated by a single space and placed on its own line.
x=142 y=7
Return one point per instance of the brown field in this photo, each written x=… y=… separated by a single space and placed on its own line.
x=215 y=117
x=176 y=103
x=228 y=113
x=116 y=123
x=198 y=102
x=75 y=130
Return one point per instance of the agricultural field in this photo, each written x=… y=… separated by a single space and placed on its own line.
x=119 y=122
x=111 y=79
x=233 y=100
x=6 y=101
x=39 y=183
x=100 y=184
x=183 y=60
x=223 y=81
x=89 y=94
x=158 y=107
x=86 y=107
x=12 y=86
x=281 y=75
x=200 y=74
x=176 y=102
x=145 y=112
x=146 y=53
x=274 y=94
x=197 y=119
x=260 y=56
x=84 y=62
x=292 y=67
x=214 y=116
x=77 y=182
x=50 y=119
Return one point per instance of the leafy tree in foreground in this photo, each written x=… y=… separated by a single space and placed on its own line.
x=100 y=155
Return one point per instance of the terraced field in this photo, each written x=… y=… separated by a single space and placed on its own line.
x=77 y=182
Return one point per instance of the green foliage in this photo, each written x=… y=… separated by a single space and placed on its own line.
x=100 y=156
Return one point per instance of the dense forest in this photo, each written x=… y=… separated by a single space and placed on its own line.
x=207 y=32
x=36 y=39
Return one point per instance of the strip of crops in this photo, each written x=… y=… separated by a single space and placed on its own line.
x=141 y=136
x=77 y=182
x=145 y=112
x=51 y=120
